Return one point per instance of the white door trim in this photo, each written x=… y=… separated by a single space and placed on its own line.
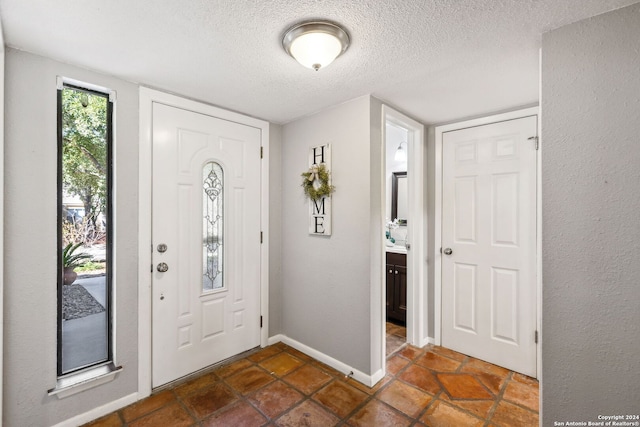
x=439 y=131
x=2 y=54
x=147 y=98
x=417 y=231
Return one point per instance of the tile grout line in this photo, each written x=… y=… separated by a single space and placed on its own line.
x=305 y=397
x=239 y=396
x=412 y=362
x=499 y=398
x=185 y=407
x=459 y=370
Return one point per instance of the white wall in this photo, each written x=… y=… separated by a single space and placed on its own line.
x=591 y=227
x=326 y=281
x=31 y=244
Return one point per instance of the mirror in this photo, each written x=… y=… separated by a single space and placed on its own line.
x=399 y=195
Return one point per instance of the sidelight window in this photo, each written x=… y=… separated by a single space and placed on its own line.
x=85 y=229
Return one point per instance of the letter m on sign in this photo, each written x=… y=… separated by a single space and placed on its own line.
x=318 y=207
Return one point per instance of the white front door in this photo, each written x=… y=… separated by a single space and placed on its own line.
x=489 y=243
x=206 y=235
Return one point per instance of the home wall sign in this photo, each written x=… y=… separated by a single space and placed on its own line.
x=316 y=183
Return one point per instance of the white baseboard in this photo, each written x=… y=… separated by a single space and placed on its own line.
x=100 y=411
x=275 y=339
x=426 y=340
x=357 y=375
x=377 y=376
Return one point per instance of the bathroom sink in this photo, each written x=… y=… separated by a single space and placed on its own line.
x=399 y=249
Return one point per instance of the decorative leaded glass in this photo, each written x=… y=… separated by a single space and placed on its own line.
x=212 y=226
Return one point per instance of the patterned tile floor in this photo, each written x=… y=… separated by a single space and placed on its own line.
x=280 y=386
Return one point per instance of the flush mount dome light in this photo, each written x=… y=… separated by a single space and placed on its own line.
x=315 y=44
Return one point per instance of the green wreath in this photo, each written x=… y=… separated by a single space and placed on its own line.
x=320 y=173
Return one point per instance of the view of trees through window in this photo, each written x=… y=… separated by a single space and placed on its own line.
x=84 y=181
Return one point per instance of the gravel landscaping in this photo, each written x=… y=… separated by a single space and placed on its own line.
x=77 y=302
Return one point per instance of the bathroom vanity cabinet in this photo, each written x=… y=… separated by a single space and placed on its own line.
x=396 y=287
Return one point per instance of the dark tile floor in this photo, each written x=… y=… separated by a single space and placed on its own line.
x=280 y=386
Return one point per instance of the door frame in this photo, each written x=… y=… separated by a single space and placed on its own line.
x=146 y=100
x=417 y=231
x=2 y=55
x=439 y=132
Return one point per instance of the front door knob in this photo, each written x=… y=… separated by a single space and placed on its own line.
x=162 y=267
x=448 y=251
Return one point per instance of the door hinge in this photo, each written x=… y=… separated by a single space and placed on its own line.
x=261 y=237
x=535 y=139
x=261 y=152
x=261 y=321
x=536 y=337
x=151 y=268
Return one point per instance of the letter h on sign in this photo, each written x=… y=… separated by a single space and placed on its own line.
x=320 y=210
x=318 y=155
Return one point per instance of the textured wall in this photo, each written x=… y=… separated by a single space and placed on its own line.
x=591 y=227
x=326 y=280
x=30 y=242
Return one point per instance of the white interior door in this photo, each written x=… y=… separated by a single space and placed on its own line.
x=489 y=243
x=206 y=235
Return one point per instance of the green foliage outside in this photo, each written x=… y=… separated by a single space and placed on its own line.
x=84 y=155
x=91 y=266
x=72 y=260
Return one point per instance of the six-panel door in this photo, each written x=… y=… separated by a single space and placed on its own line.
x=489 y=228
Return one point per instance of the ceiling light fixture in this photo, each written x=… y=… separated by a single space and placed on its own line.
x=401 y=153
x=315 y=44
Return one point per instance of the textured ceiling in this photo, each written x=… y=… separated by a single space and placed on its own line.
x=437 y=60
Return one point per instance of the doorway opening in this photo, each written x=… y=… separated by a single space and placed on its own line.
x=395 y=248
x=403 y=231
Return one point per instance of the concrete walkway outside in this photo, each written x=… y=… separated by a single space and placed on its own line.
x=84 y=340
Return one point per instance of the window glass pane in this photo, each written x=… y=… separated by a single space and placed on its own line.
x=84 y=332
x=212 y=226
